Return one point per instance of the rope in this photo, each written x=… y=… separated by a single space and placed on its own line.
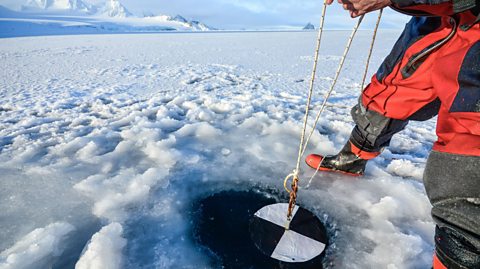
x=304 y=142
x=363 y=80
x=312 y=84
x=294 y=175
x=371 y=48
x=334 y=83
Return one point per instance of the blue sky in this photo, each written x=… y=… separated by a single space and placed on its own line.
x=248 y=14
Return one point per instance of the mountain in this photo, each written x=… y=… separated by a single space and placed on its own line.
x=179 y=19
x=194 y=25
x=111 y=8
x=180 y=23
x=309 y=26
x=199 y=26
x=115 y=9
x=70 y=5
x=79 y=17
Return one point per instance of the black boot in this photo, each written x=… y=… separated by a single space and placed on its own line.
x=350 y=160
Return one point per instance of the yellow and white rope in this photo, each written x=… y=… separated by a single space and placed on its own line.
x=304 y=140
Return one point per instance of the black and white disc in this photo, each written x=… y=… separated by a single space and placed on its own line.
x=305 y=239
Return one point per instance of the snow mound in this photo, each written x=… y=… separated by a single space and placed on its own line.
x=114 y=195
x=37 y=249
x=105 y=249
x=405 y=168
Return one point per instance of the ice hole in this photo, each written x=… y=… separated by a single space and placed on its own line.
x=221 y=227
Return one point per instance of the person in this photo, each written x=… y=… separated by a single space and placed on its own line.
x=433 y=69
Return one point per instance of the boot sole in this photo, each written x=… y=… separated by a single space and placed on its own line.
x=323 y=169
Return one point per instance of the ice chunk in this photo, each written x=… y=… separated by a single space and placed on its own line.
x=105 y=249
x=37 y=249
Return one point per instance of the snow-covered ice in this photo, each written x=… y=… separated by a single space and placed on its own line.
x=106 y=140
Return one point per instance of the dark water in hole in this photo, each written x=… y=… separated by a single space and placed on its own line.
x=221 y=227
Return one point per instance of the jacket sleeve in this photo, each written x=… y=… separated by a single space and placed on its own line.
x=433 y=7
x=408 y=3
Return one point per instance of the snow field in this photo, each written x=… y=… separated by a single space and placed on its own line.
x=105 y=141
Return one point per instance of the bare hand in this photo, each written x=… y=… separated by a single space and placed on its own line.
x=360 y=7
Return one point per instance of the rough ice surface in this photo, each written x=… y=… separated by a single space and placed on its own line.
x=105 y=141
x=405 y=168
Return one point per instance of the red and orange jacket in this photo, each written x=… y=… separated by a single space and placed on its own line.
x=436 y=60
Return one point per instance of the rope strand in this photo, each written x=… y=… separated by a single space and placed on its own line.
x=304 y=141
x=312 y=84
x=334 y=83
x=371 y=49
x=363 y=82
x=294 y=175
